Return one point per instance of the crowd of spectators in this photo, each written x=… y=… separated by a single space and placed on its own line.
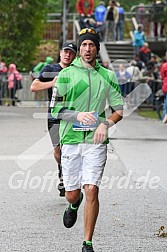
x=109 y=19
x=109 y=22
x=10 y=76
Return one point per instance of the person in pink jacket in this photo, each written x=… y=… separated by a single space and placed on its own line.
x=14 y=82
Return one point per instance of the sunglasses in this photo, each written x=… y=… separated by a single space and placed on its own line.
x=89 y=30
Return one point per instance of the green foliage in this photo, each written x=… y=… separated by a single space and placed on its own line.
x=22 y=23
x=20 y=30
x=56 y=6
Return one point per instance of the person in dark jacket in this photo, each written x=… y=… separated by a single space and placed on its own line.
x=145 y=53
x=120 y=24
x=111 y=20
x=46 y=81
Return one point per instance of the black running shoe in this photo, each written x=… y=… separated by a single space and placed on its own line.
x=61 y=185
x=70 y=213
x=61 y=188
x=87 y=248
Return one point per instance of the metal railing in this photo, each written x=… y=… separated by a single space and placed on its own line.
x=53 y=25
x=37 y=99
x=24 y=95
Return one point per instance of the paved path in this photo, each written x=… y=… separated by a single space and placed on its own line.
x=132 y=207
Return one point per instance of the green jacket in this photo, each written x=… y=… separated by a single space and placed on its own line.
x=85 y=89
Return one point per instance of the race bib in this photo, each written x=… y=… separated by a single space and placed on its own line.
x=79 y=126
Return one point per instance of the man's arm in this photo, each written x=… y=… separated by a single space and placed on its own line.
x=101 y=131
x=38 y=85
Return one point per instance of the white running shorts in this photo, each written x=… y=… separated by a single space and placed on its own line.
x=83 y=164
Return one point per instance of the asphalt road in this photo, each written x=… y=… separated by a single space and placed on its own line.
x=133 y=193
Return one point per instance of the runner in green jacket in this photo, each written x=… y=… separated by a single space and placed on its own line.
x=85 y=87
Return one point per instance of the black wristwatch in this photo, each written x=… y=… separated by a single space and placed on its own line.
x=106 y=123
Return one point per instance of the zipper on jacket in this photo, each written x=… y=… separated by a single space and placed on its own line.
x=89 y=99
x=90 y=90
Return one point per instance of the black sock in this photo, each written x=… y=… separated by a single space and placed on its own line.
x=76 y=204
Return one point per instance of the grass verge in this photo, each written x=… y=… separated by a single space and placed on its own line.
x=148 y=113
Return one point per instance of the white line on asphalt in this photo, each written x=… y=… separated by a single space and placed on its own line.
x=36 y=157
x=40 y=115
x=24 y=157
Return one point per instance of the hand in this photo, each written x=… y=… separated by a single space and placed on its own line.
x=86 y=117
x=100 y=134
x=99 y=23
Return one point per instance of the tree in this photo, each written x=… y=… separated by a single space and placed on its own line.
x=21 y=30
x=21 y=26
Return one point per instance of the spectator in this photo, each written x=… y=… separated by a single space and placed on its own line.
x=111 y=20
x=3 y=71
x=165 y=117
x=120 y=24
x=100 y=13
x=141 y=14
x=157 y=15
x=85 y=10
x=153 y=82
x=153 y=61
x=163 y=72
x=13 y=77
x=145 y=53
x=140 y=64
x=123 y=77
x=3 y=68
x=139 y=39
x=136 y=75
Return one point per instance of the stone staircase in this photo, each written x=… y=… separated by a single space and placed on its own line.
x=120 y=50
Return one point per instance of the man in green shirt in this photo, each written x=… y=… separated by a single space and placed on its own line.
x=85 y=86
